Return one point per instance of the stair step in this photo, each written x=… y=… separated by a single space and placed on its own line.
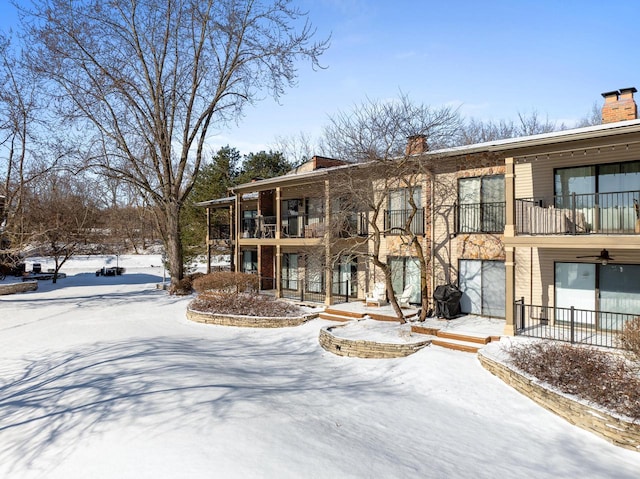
x=464 y=337
x=350 y=314
x=334 y=317
x=456 y=345
x=424 y=330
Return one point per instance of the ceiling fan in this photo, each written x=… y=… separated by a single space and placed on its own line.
x=603 y=257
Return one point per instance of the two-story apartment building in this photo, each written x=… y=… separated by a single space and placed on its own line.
x=551 y=221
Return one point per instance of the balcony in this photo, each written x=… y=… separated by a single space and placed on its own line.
x=580 y=214
x=302 y=226
x=481 y=217
x=350 y=225
x=292 y=226
x=396 y=222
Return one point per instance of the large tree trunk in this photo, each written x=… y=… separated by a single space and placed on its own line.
x=172 y=242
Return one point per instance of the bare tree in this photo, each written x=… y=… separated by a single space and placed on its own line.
x=23 y=154
x=477 y=131
x=594 y=117
x=375 y=134
x=145 y=80
x=60 y=217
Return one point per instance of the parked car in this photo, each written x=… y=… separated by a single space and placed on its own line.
x=110 y=271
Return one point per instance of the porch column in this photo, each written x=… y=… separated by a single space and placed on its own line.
x=328 y=276
x=238 y=235
x=234 y=228
x=208 y=240
x=510 y=294
x=510 y=197
x=278 y=213
x=278 y=271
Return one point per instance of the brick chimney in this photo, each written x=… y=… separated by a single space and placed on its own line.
x=619 y=105
x=416 y=144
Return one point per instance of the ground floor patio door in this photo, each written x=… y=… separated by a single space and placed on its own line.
x=576 y=286
x=483 y=286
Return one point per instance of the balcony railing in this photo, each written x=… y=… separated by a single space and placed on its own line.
x=481 y=217
x=596 y=328
x=350 y=225
x=396 y=221
x=595 y=213
x=302 y=226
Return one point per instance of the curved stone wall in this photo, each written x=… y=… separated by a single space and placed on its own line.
x=22 y=287
x=366 y=349
x=614 y=429
x=247 y=321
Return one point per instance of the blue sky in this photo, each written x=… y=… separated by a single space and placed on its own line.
x=491 y=58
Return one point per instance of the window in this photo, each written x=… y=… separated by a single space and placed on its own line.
x=593 y=287
x=406 y=271
x=314 y=275
x=400 y=209
x=481 y=204
x=249 y=225
x=601 y=197
x=290 y=271
x=345 y=277
x=249 y=261
x=483 y=285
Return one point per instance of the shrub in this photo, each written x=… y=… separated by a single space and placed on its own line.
x=185 y=285
x=598 y=376
x=629 y=339
x=226 y=281
x=182 y=287
x=247 y=304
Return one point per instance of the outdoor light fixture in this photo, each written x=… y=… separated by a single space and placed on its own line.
x=603 y=257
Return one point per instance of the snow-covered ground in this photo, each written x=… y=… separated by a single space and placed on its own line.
x=103 y=377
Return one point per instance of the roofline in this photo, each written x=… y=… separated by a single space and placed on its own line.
x=217 y=202
x=584 y=133
x=554 y=137
x=290 y=178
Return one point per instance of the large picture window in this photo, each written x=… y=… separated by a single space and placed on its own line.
x=481 y=204
x=600 y=198
x=593 y=288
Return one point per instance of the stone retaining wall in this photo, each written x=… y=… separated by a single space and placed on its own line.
x=21 y=287
x=247 y=321
x=366 y=349
x=616 y=430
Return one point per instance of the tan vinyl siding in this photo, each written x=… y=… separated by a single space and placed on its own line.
x=534 y=175
x=535 y=270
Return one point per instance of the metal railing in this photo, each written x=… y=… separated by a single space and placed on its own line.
x=303 y=290
x=342 y=291
x=595 y=328
x=481 y=217
x=350 y=225
x=594 y=213
x=302 y=226
x=396 y=221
